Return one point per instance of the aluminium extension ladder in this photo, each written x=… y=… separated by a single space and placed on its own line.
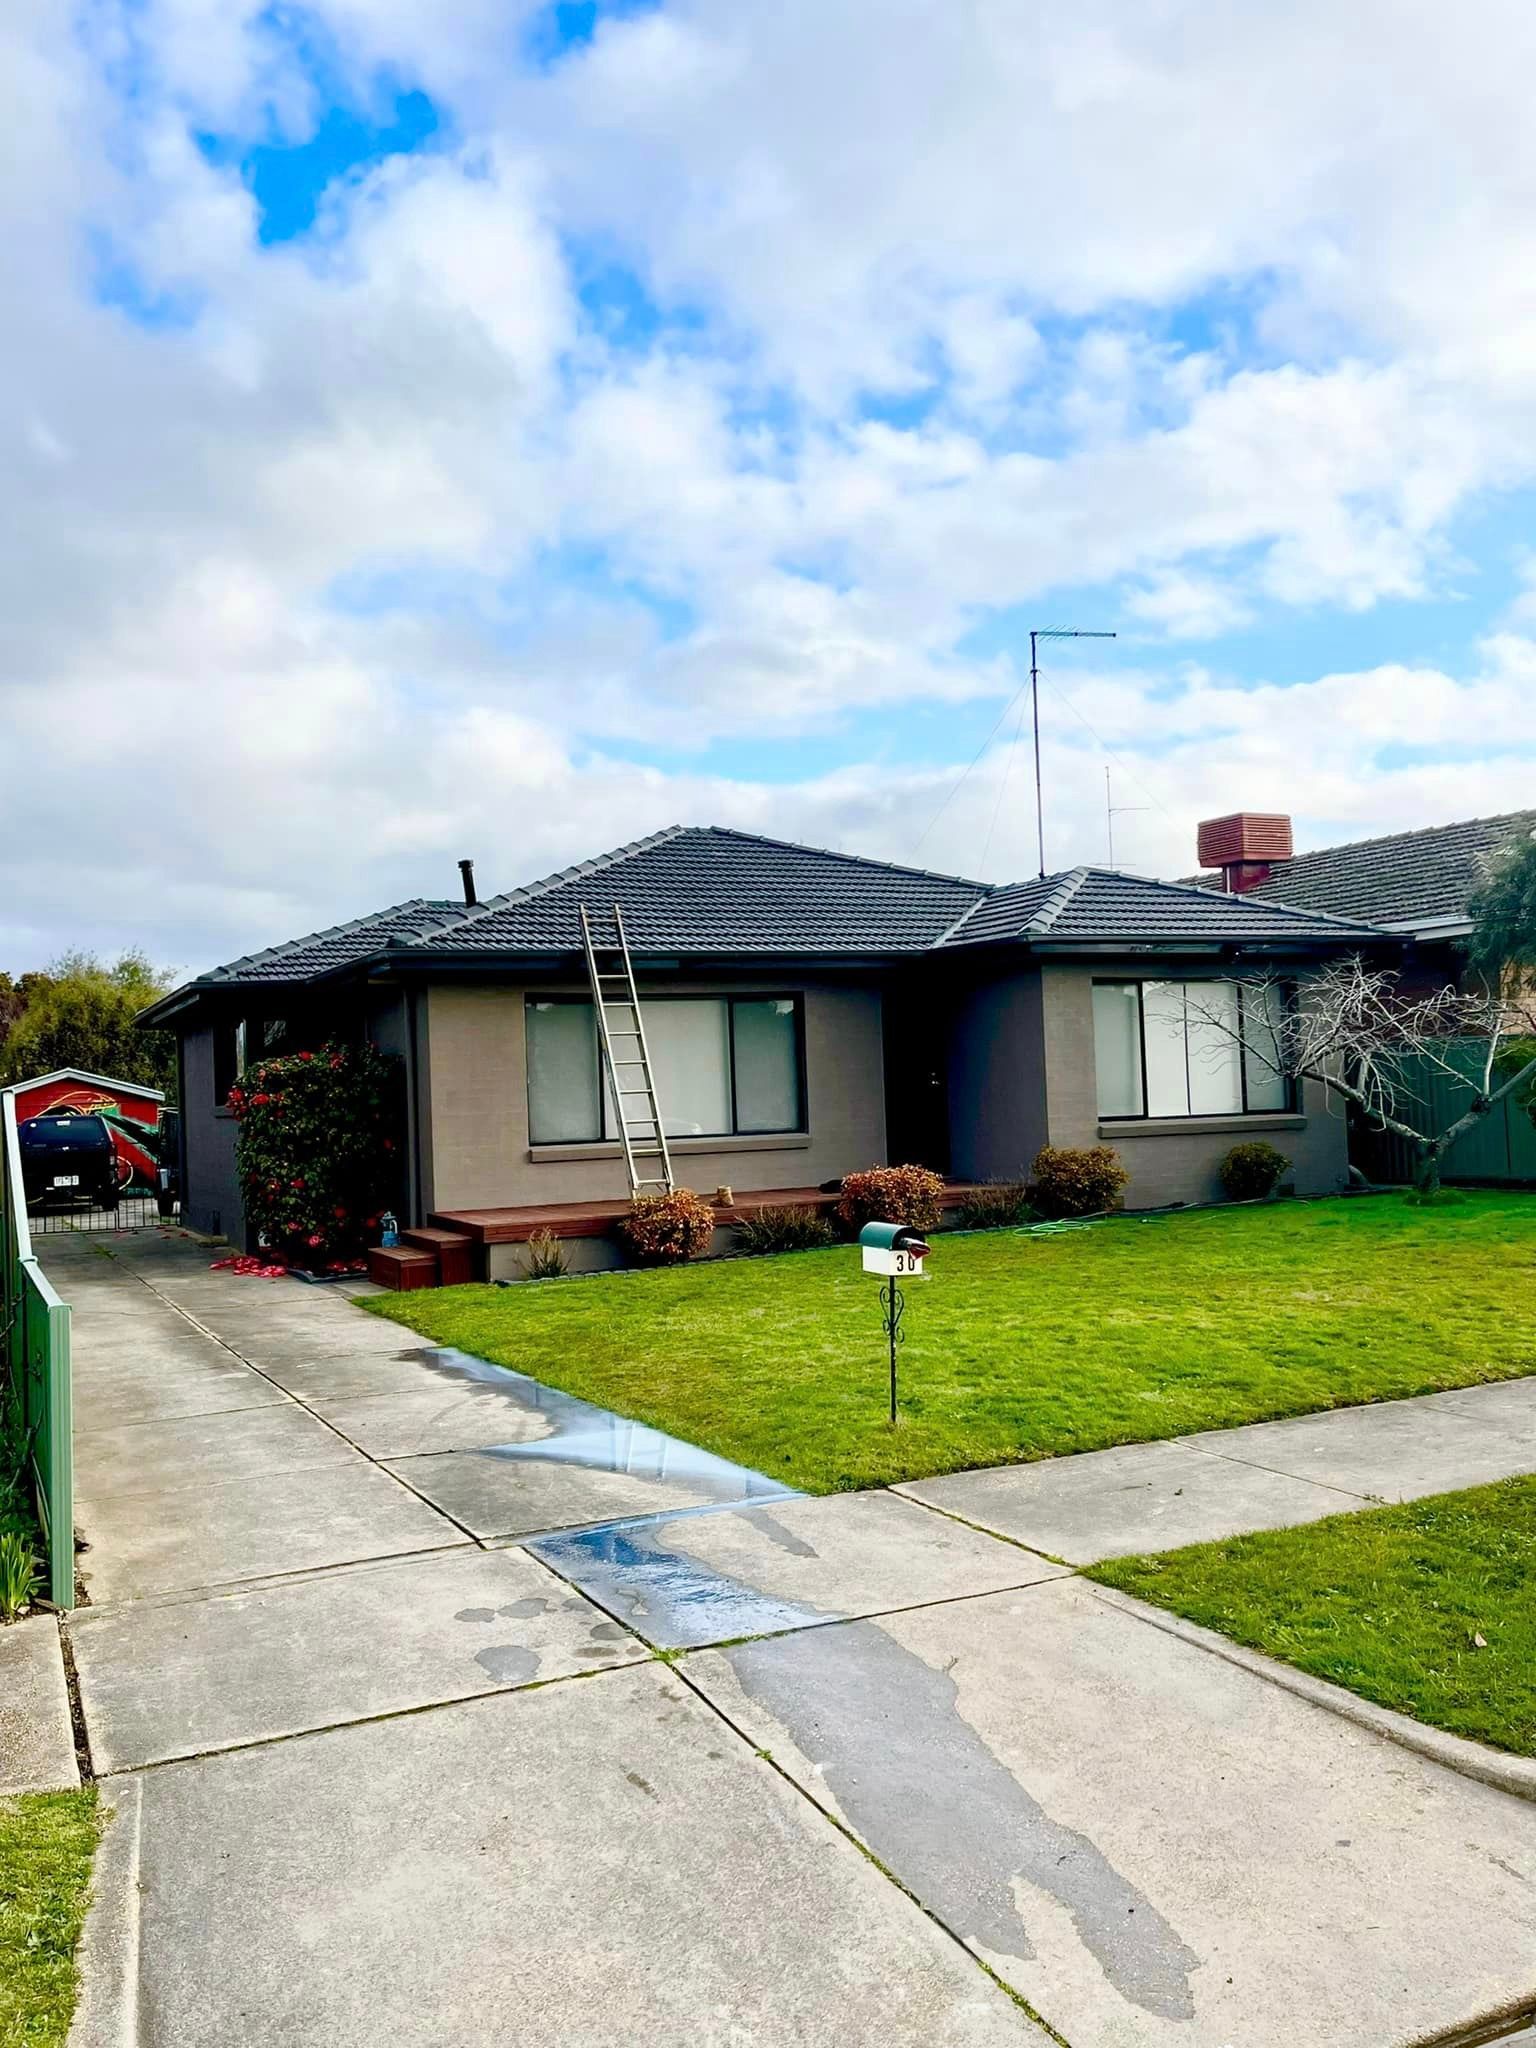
x=626 y=1057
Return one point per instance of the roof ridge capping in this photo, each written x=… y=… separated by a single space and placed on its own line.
x=528 y=891
x=1410 y=832
x=330 y=931
x=1351 y=924
x=863 y=860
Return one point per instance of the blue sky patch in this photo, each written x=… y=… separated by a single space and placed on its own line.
x=289 y=179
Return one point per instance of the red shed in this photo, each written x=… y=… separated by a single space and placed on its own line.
x=132 y=1112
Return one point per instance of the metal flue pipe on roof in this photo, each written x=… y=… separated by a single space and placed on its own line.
x=467 y=870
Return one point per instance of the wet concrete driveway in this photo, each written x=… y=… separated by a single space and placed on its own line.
x=373 y=1687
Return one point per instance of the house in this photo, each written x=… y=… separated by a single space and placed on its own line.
x=132 y=1112
x=808 y=1013
x=1417 y=884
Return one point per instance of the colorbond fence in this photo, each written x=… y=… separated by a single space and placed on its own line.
x=34 y=1355
x=1499 y=1151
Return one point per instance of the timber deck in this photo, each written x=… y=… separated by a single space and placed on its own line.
x=596 y=1218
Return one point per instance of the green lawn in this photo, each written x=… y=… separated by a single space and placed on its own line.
x=47 y=1840
x=1391 y=1602
x=1022 y=1347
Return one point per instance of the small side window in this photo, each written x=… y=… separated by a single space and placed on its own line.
x=229 y=1041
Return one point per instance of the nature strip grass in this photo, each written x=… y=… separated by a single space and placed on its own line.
x=1428 y=1608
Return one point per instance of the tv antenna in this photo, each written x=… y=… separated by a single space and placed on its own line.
x=1038 y=633
x=1112 y=810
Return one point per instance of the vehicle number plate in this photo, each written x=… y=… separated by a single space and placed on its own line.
x=66 y=1180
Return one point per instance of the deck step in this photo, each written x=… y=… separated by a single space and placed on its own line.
x=402 y=1267
x=454 y=1251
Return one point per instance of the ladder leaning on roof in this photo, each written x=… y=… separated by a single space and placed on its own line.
x=626 y=1057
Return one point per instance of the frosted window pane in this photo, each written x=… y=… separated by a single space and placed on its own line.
x=562 y=1073
x=1215 y=1053
x=690 y=1064
x=1167 y=1074
x=1264 y=1010
x=767 y=1066
x=1117 y=1047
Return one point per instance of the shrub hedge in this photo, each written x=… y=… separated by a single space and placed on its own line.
x=1080 y=1181
x=319 y=1151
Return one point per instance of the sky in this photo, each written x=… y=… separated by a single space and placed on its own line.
x=508 y=429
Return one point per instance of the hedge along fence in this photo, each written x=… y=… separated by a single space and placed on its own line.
x=34 y=1353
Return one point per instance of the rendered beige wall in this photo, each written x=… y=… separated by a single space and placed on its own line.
x=1174 y=1160
x=475 y=1106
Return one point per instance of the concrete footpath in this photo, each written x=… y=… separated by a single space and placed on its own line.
x=371 y=1683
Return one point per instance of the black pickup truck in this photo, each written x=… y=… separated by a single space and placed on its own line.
x=68 y=1159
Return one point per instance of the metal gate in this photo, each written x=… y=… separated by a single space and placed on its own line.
x=132 y=1212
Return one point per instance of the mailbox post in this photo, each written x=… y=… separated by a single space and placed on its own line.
x=895 y=1252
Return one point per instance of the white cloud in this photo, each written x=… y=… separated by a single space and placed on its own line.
x=379 y=549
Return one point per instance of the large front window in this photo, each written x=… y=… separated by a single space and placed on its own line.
x=1188 y=1048
x=723 y=1066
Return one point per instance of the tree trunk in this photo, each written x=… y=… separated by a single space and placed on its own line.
x=1426 y=1178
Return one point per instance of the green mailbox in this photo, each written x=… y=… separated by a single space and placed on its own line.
x=892 y=1249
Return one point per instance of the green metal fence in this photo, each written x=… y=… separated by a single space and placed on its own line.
x=1500 y=1150
x=34 y=1353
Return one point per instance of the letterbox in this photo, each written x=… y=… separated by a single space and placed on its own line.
x=892 y=1250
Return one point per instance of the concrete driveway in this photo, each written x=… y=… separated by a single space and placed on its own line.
x=371 y=1681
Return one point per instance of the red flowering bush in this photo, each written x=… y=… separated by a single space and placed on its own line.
x=913 y=1195
x=319 y=1151
x=663 y=1230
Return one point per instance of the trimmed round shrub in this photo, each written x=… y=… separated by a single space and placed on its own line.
x=664 y=1230
x=795 y=1227
x=913 y=1195
x=1251 y=1173
x=319 y=1152
x=1077 y=1181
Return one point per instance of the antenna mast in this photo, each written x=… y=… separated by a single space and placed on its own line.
x=1038 y=633
x=1112 y=810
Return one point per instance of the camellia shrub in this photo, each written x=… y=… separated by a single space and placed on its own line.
x=319 y=1152
x=913 y=1195
x=1077 y=1181
x=663 y=1230
x=1251 y=1173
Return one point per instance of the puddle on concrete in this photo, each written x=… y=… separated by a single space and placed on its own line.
x=597 y=1440
x=672 y=1599
x=922 y=1788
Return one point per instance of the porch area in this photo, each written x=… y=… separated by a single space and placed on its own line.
x=458 y=1245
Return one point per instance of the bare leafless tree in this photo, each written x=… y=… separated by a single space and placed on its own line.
x=1351 y=1028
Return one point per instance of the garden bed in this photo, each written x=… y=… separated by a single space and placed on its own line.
x=1024 y=1346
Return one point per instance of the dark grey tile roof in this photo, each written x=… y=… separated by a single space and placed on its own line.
x=706 y=890
x=1099 y=905
x=701 y=891
x=303 y=959
x=1407 y=879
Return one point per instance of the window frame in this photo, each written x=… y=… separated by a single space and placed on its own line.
x=1290 y=1107
x=794 y=997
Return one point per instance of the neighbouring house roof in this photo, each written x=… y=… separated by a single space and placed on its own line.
x=1099 y=906
x=709 y=892
x=141 y=1088
x=1407 y=882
